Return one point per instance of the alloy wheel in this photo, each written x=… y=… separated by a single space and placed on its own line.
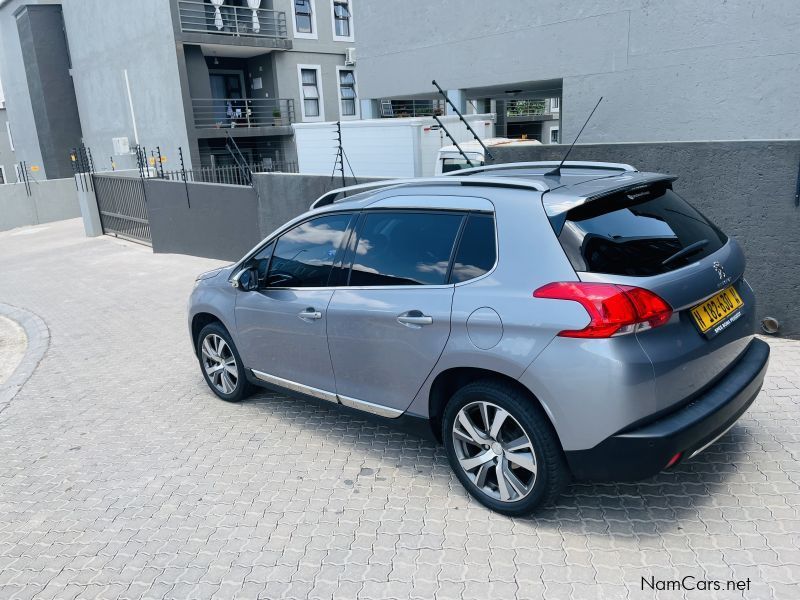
x=494 y=451
x=219 y=363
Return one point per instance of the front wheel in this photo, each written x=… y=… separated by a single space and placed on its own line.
x=502 y=448
x=221 y=364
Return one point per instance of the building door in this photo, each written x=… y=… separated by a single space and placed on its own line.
x=227 y=90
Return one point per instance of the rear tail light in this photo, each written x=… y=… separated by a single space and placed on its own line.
x=613 y=309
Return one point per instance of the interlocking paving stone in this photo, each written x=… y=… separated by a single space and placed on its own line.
x=122 y=476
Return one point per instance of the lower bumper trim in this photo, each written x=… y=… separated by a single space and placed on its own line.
x=640 y=453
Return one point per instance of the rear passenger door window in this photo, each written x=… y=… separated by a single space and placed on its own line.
x=304 y=255
x=404 y=248
x=477 y=250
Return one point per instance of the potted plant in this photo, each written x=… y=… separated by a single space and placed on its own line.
x=277 y=120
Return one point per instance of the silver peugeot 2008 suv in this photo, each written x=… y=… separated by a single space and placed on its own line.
x=584 y=322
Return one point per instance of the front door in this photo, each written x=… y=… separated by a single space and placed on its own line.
x=388 y=327
x=282 y=325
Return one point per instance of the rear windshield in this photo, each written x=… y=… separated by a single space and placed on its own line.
x=638 y=233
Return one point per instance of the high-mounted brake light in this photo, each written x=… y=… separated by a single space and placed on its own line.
x=613 y=309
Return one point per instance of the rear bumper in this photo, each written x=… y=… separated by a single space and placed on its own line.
x=644 y=451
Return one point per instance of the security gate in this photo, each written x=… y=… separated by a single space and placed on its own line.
x=123 y=207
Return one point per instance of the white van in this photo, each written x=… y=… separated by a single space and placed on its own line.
x=450 y=159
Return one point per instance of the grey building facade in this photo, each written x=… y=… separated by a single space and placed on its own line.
x=8 y=158
x=178 y=74
x=668 y=71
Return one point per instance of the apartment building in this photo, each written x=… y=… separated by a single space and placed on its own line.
x=190 y=77
x=668 y=71
x=8 y=159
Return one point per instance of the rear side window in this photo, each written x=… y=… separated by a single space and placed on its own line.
x=639 y=234
x=477 y=251
x=404 y=248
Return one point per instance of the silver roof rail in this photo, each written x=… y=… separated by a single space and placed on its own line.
x=570 y=164
x=330 y=197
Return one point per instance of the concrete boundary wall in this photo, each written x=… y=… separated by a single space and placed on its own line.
x=747 y=188
x=283 y=196
x=214 y=221
x=225 y=221
x=50 y=200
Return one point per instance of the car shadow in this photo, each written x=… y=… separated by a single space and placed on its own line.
x=662 y=504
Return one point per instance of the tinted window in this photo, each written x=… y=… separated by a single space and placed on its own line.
x=304 y=255
x=638 y=234
x=456 y=164
x=476 y=250
x=260 y=262
x=404 y=248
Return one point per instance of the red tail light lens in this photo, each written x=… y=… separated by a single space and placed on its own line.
x=613 y=309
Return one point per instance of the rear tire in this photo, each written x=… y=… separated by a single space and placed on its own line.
x=221 y=364
x=503 y=448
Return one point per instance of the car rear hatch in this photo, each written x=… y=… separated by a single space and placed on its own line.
x=650 y=238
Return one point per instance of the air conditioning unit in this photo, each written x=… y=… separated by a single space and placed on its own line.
x=350 y=56
x=121 y=145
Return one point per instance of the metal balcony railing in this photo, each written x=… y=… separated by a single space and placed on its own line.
x=219 y=113
x=203 y=17
x=392 y=109
x=526 y=108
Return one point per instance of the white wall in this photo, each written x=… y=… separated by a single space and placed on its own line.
x=404 y=147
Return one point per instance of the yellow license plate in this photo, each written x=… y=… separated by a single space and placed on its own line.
x=716 y=309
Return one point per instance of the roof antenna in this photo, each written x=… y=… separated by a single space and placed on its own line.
x=557 y=171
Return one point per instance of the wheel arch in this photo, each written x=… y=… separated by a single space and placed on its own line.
x=451 y=380
x=200 y=320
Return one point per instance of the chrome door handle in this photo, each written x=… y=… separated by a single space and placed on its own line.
x=309 y=314
x=414 y=318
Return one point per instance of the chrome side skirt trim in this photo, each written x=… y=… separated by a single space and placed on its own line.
x=699 y=450
x=370 y=407
x=375 y=409
x=294 y=386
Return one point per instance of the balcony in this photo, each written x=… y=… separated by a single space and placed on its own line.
x=528 y=110
x=394 y=109
x=259 y=116
x=233 y=24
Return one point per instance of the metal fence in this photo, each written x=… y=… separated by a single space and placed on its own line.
x=242 y=112
x=203 y=17
x=228 y=174
x=122 y=205
x=394 y=109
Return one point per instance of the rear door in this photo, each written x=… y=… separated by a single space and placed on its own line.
x=389 y=325
x=655 y=240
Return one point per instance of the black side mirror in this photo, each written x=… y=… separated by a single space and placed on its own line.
x=246 y=280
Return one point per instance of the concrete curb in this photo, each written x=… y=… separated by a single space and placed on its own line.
x=38 y=341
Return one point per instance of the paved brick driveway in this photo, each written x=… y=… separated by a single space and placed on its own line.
x=122 y=476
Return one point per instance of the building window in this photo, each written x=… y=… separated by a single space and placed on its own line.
x=554 y=135
x=2 y=175
x=341 y=18
x=303 y=13
x=310 y=92
x=347 y=92
x=555 y=104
